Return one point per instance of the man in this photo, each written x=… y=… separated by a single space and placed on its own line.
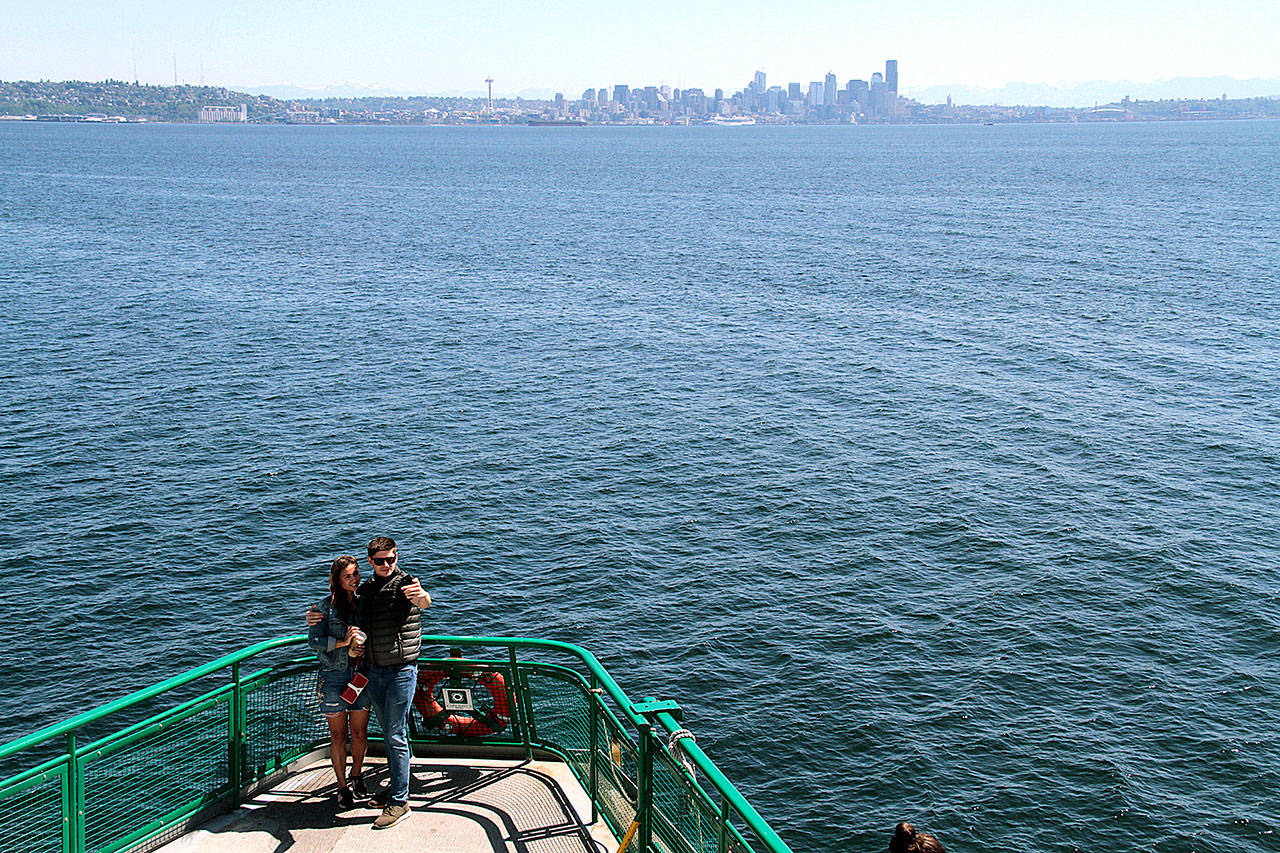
x=390 y=603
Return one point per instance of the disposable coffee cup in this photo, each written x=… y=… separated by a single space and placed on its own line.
x=360 y=636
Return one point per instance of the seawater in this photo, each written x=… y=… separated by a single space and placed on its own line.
x=935 y=471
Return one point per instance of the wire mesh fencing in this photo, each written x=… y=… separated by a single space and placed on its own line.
x=145 y=779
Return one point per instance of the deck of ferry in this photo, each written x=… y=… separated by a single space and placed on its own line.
x=528 y=746
x=456 y=806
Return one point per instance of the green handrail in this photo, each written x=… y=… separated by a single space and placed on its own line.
x=600 y=682
x=726 y=788
x=606 y=680
x=67 y=727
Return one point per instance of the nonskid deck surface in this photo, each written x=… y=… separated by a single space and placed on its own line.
x=457 y=806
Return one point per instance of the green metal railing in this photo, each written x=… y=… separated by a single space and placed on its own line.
x=159 y=770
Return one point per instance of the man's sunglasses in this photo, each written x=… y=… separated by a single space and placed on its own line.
x=383 y=561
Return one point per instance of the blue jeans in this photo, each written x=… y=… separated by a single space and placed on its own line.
x=391 y=691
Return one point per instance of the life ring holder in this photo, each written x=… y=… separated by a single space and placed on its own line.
x=488 y=718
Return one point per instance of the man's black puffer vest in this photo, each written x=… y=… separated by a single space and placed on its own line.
x=392 y=623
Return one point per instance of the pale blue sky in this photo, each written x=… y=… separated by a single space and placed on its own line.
x=567 y=45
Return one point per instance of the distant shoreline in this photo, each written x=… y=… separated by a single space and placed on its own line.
x=76 y=119
x=114 y=101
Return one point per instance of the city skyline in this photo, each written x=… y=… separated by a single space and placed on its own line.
x=1089 y=93
x=823 y=102
x=827 y=99
x=564 y=45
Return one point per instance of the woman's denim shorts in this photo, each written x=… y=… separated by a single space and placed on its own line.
x=329 y=689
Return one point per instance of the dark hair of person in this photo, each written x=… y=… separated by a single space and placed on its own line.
x=904 y=835
x=907 y=840
x=343 y=606
x=381 y=543
x=926 y=843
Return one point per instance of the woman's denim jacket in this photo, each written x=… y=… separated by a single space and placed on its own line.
x=323 y=638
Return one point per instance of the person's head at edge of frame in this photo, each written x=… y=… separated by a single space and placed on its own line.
x=382 y=555
x=907 y=840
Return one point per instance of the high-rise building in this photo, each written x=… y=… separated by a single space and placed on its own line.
x=793 y=92
x=829 y=90
x=773 y=100
x=602 y=96
x=759 y=82
x=815 y=94
x=695 y=102
x=861 y=89
x=891 y=75
x=860 y=92
x=878 y=95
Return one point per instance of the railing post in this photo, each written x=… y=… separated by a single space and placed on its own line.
x=593 y=699
x=518 y=690
x=73 y=817
x=644 y=801
x=235 y=734
x=650 y=709
x=722 y=844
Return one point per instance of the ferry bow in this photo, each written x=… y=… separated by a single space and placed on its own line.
x=138 y=772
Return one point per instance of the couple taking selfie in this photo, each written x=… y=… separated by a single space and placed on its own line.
x=366 y=636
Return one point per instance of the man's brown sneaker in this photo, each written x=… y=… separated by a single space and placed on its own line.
x=390 y=815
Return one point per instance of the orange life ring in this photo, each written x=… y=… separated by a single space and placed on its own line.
x=492 y=721
x=434 y=714
x=424 y=698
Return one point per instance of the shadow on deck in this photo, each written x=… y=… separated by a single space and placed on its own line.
x=457 y=806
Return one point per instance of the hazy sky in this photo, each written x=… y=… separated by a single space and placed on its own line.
x=567 y=45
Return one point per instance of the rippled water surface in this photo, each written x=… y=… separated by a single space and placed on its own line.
x=935 y=471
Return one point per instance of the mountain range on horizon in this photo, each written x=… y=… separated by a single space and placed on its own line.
x=1083 y=94
x=1099 y=91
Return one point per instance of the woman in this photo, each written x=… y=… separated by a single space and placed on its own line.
x=334 y=640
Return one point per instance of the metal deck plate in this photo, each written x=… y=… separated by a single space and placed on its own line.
x=457 y=806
